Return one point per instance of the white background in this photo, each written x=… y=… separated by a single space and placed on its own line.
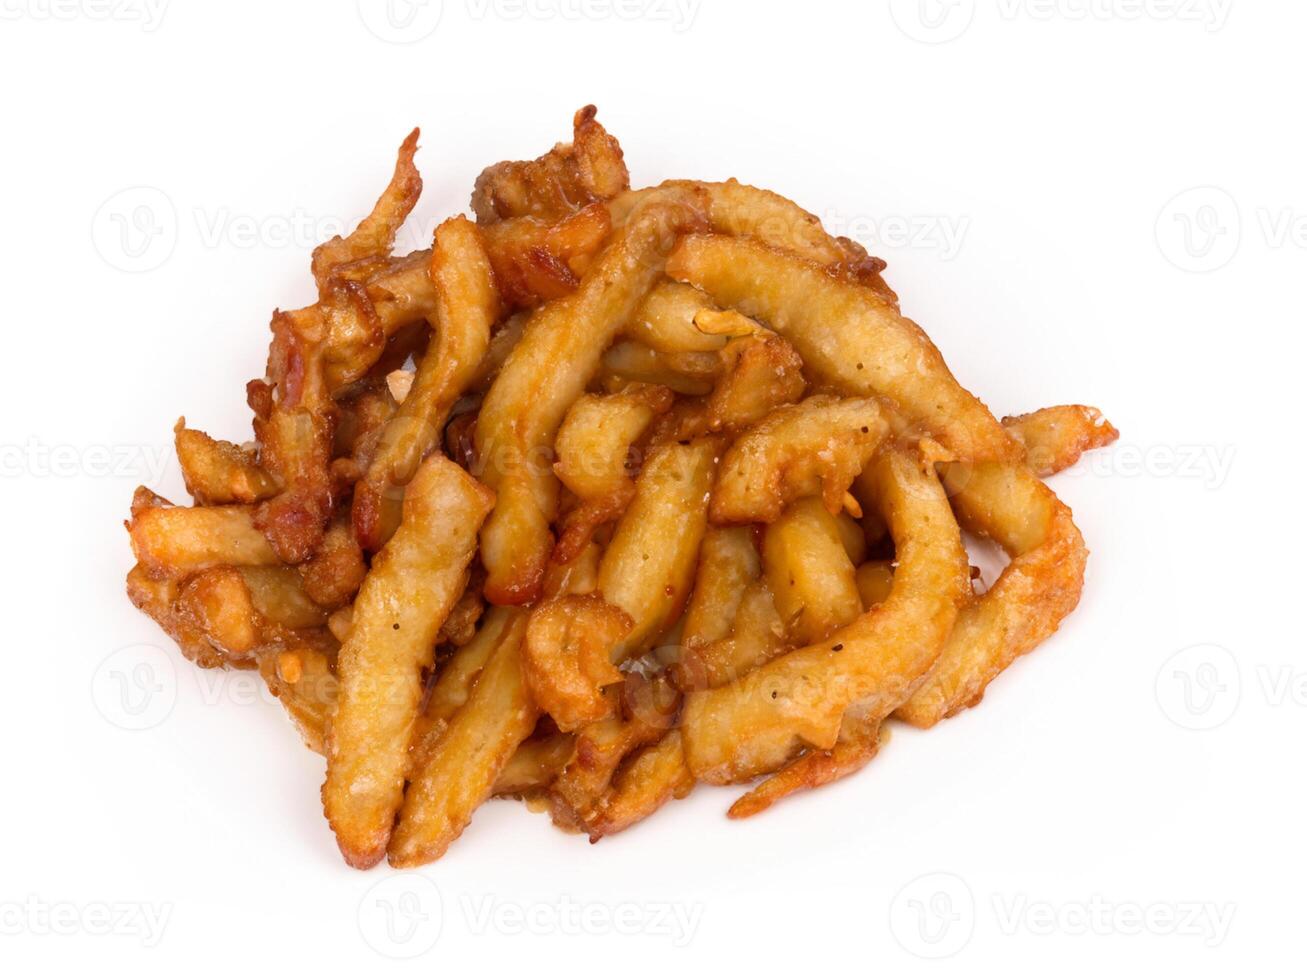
x=1119 y=800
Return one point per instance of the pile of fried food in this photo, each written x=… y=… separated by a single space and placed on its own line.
x=673 y=493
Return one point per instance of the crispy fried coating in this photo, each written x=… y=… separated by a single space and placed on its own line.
x=608 y=493
x=655 y=775
x=1037 y=590
x=462 y=768
x=858 y=744
x=848 y=336
x=816 y=447
x=649 y=710
x=594 y=446
x=808 y=569
x=535 y=260
x=467 y=305
x=559 y=352
x=798 y=700
x=728 y=563
x=179 y=540
x=412 y=585
x=648 y=567
x=564 y=180
x=566 y=658
x=219 y=472
x=1055 y=438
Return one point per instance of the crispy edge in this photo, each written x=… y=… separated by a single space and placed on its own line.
x=648 y=567
x=412 y=585
x=219 y=472
x=858 y=745
x=559 y=352
x=464 y=765
x=799 y=700
x=1055 y=438
x=654 y=776
x=847 y=335
x=593 y=448
x=467 y=305
x=815 y=447
x=1039 y=588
